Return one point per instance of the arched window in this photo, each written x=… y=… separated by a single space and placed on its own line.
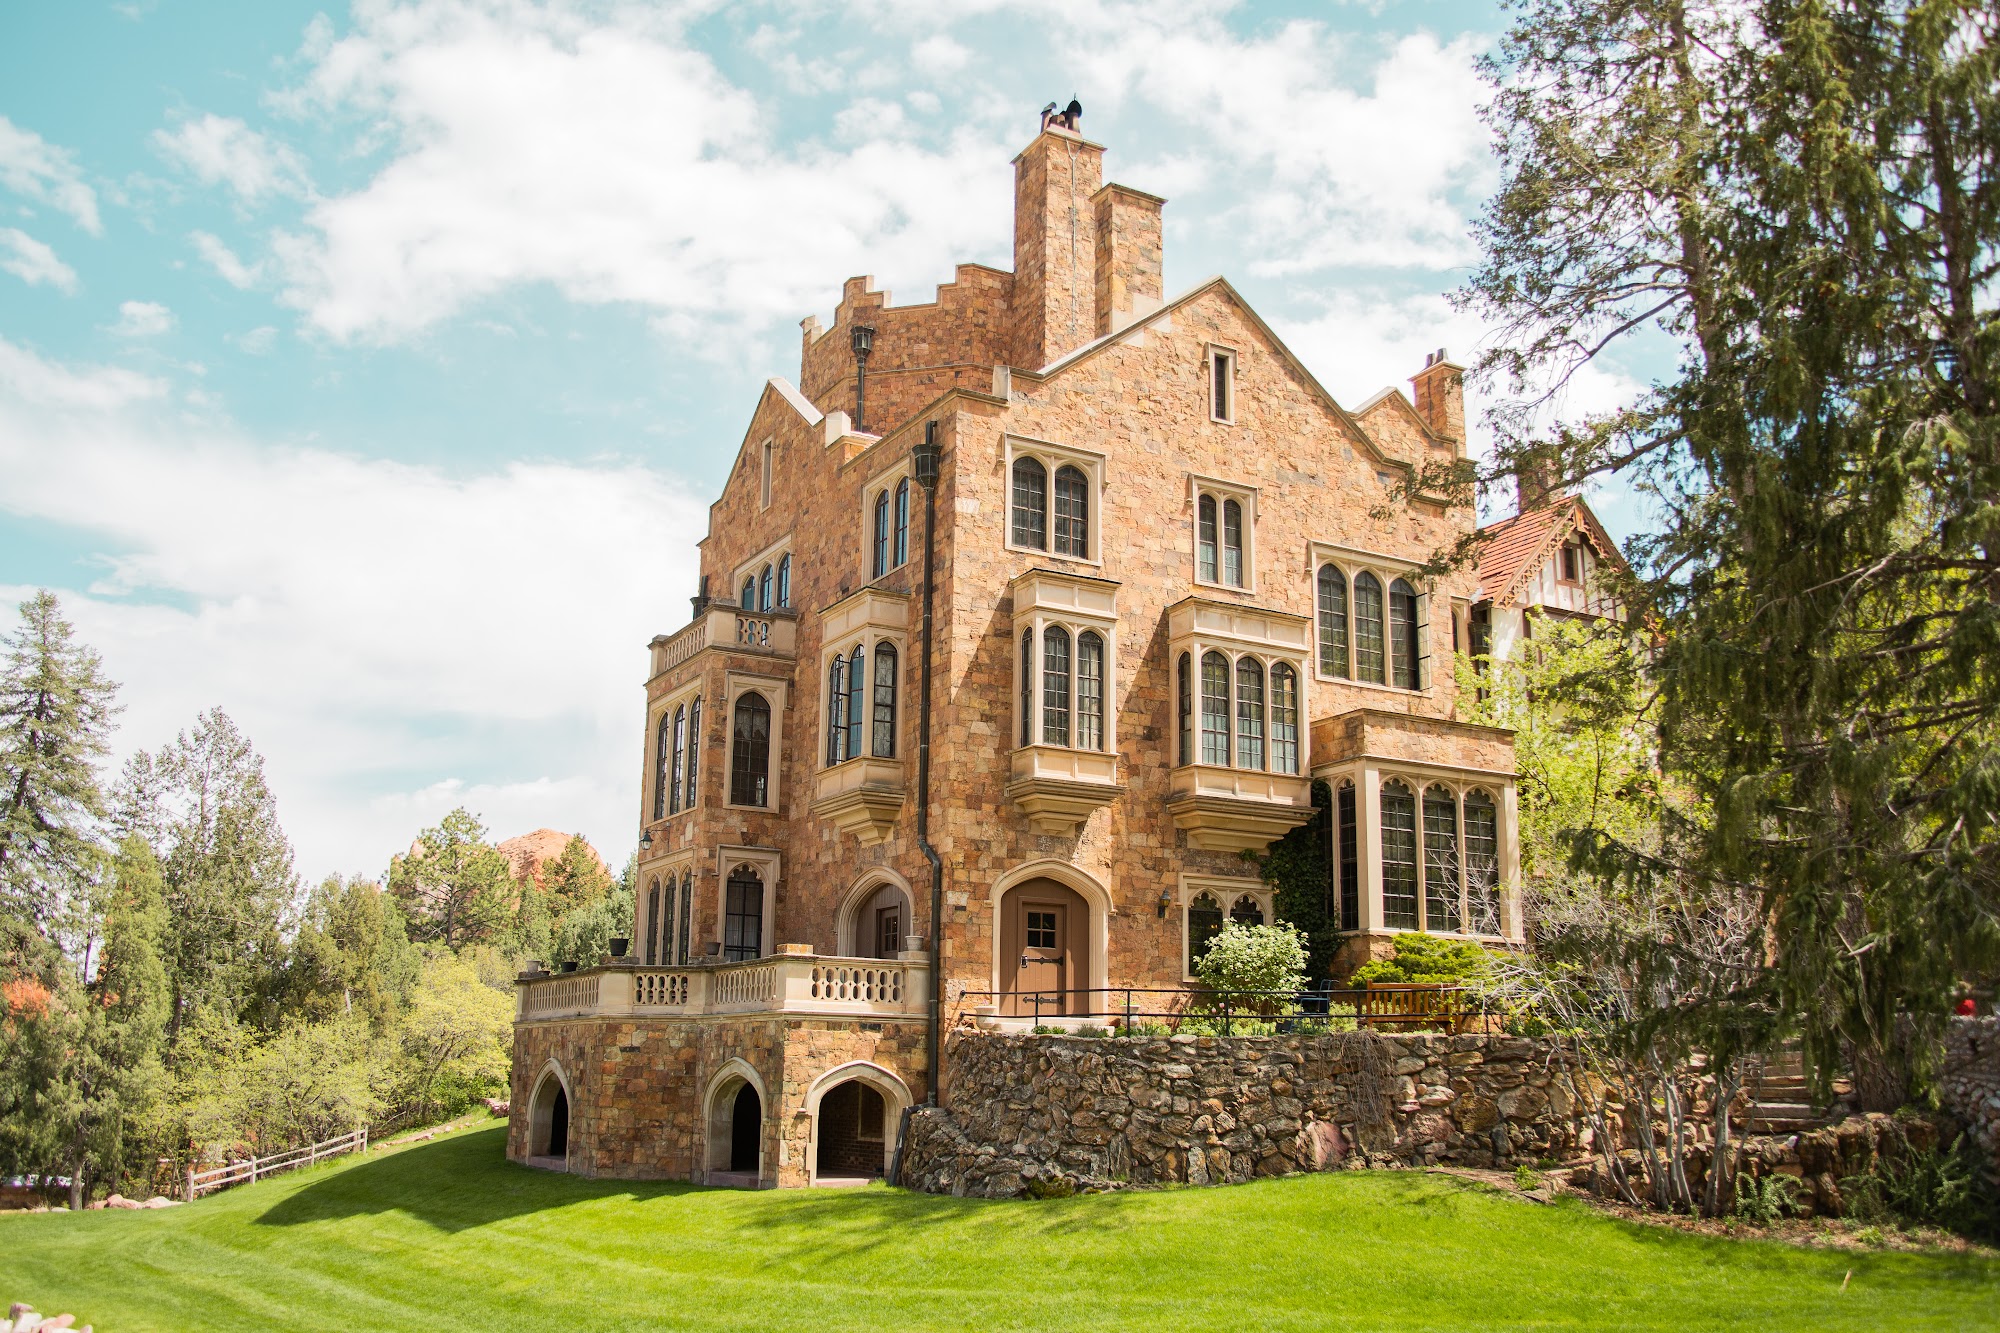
x=652 y=922
x=1482 y=862
x=1205 y=566
x=1055 y=686
x=664 y=925
x=1249 y=713
x=857 y=699
x=1027 y=687
x=748 y=601
x=881 y=563
x=785 y=581
x=1214 y=709
x=1368 y=663
x=1245 y=911
x=663 y=765
x=750 y=761
x=1072 y=513
x=1332 y=621
x=1089 y=691
x=1031 y=504
x=1284 y=718
x=1232 y=543
x=1441 y=878
x=680 y=760
x=1399 y=856
x=1185 y=670
x=902 y=521
x=1403 y=635
x=743 y=915
x=836 y=710
x=694 y=755
x=1350 y=857
x=1204 y=923
x=885 y=701
x=687 y=915
x=764 y=590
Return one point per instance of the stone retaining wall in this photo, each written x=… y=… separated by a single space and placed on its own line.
x=1027 y=1114
x=1969 y=1082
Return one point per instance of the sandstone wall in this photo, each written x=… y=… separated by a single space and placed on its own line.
x=1022 y=1111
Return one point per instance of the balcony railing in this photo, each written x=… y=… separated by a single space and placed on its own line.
x=725 y=626
x=785 y=983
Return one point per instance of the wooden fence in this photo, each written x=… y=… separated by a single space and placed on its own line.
x=238 y=1173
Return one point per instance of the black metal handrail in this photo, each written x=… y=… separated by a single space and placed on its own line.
x=1403 y=1005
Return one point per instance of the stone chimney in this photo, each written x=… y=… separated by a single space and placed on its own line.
x=1440 y=397
x=1055 y=246
x=1128 y=256
x=1535 y=486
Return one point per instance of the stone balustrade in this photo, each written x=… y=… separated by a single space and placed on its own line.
x=726 y=626
x=784 y=983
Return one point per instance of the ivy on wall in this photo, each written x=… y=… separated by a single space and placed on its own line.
x=1297 y=869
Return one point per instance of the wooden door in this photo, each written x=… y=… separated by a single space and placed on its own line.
x=1044 y=948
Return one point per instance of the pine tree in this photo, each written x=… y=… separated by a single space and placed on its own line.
x=1805 y=198
x=454 y=887
x=56 y=710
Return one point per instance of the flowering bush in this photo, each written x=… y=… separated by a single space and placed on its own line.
x=1254 y=958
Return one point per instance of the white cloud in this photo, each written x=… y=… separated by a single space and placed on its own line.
x=32 y=262
x=223 y=260
x=224 y=150
x=31 y=166
x=142 y=319
x=613 y=162
x=395 y=640
x=259 y=340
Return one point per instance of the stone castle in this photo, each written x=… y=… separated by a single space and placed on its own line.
x=1173 y=585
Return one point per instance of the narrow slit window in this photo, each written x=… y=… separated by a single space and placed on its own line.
x=1482 y=863
x=652 y=921
x=1232 y=543
x=1249 y=713
x=1441 y=877
x=685 y=947
x=1214 y=709
x=1186 y=672
x=764 y=487
x=1222 y=386
x=1399 y=856
x=1284 y=719
x=680 y=760
x=749 y=599
x=1332 y=621
x=1089 y=691
x=694 y=755
x=902 y=522
x=662 y=766
x=1350 y=859
x=1031 y=504
x=885 y=701
x=1403 y=636
x=1205 y=539
x=1204 y=923
x=880 y=565
x=857 y=694
x=664 y=924
x=1369 y=663
x=1027 y=687
x=743 y=915
x=785 y=582
x=836 y=710
x=764 y=590
x=1072 y=513
x=1055 y=686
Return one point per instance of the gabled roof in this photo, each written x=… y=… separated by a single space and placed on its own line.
x=1218 y=282
x=1512 y=549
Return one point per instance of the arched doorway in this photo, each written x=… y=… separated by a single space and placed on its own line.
x=853 y=1126
x=746 y=1131
x=548 y=1121
x=1044 y=950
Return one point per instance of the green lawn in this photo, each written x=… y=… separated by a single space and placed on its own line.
x=448 y=1235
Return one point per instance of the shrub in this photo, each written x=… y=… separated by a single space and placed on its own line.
x=1428 y=959
x=1766 y=1199
x=1525 y=1177
x=1944 y=1187
x=1254 y=958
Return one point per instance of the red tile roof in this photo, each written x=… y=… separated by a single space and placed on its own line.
x=1513 y=548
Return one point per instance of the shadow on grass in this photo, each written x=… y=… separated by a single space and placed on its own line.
x=454 y=1184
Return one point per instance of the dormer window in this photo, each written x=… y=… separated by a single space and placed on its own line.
x=1048 y=482
x=1221 y=385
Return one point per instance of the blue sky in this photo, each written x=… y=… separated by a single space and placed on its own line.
x=367 y=371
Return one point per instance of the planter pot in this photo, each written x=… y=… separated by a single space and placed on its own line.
x=619 y=944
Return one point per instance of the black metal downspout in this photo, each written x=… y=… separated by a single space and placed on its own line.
x=934 y=1062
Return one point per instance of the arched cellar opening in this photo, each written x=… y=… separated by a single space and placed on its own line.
x=548 y=1119
x=746 y=1130
x=853 y=1124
